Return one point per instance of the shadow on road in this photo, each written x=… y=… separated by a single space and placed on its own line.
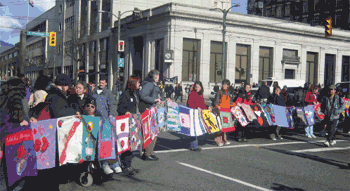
x=277 y=186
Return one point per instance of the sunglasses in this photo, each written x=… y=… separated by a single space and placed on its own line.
x=92 y=106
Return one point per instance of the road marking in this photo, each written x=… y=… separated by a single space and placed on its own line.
x=245 y=145
x=225 y=177
x=320 y=149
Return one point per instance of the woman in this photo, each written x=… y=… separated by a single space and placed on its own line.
x=129 y=104
x=311 y=99
x=150 y=94
x=77 y=100
x=245 y=96
x=38 y=108
x=196 y=101
x=277 y=99
x=223 y=100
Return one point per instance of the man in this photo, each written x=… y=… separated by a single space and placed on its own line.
x=285 y=96
x=262 y=94
x=332 y=106
x=178 y=92
x=216 y=88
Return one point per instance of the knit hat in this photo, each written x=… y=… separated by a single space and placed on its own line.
x=63 y=80
x=38 y=97
x=90 y=100
x=42 y=82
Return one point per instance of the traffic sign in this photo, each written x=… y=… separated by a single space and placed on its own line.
x=121 y=62
x=32 y=33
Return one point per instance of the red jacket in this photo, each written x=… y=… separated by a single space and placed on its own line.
x=195 y=100
x=310 y=98
x=247 y=102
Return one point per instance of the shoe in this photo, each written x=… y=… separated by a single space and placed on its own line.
x=195 y=149
x=274 y=139
x=280 y=138
x=107 y=169
x=333 y=142
x=221 y=144
x=313 y=136
x=118 y=170
x=149 y=158
x=227 y=143
x=309 y=136
x=326 y=133
x=245 y=140
x=326 y=143
x=130 y=171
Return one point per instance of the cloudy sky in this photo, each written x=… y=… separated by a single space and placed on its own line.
x=14 y=15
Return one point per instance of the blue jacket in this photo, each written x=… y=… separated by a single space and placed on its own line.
x=335 y=111
x=149 y=92
x=105 y=102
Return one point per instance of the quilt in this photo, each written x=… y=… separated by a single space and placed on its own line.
x=173 y=120
x=122 y=124
x=309 y=114
x=210 y=121
x=145 y=127
x=290 y=117
x=44 y=133
x=280 y=115
x=135 y=132
x=301 y=116
x=91 y=126
x=198 y=124
x=237 y=112
x=261 y=118
x=106 y=143
x=161 y=118
x=248 y=112
x=269 y=113
x=226 y=120
x=318 y=112
x=186 y=121
x=153 y=122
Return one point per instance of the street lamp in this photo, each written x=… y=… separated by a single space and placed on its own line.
x=224 y=11
x=116 y=69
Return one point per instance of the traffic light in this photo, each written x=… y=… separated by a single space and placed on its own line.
x=52 y=40
x=328 y=27
x=121 y=46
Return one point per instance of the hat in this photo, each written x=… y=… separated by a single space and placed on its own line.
x=90 y=100
x=39 y=96
x=332 y=87
x=42 y=82
x=63 y=80
x=285 y=86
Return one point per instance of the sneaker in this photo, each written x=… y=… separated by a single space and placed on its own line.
x=326 y=143
x=116 y=168
x=227 y=143
x=333 y=142
x=313 y=136
x=221 y=144
x=130 y=171
x=309 y=136
x=274 y=139
x=107 y=169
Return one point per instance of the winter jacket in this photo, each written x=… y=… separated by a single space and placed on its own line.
x=178 y=90
x=195 y=100
x=76 y=102
x=58 y=104
x=148 y=94
x=216 y=88
x=310 y=98
x=224 y=100
x=262 y=93
x=128 y=102
x=332 y=112
x=277 y=100
x=105 y=102
x=245 y=98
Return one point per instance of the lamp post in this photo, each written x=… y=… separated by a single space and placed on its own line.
x=115 y=77
x=225 y=12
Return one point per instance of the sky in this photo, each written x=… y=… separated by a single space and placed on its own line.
x=14 y=15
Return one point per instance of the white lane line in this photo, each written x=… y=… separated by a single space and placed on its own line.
x=320 y=149
x=171 y=151
x=225 y=177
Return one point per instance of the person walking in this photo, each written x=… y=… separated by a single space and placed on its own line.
x=178 y=92
x=276 y=99
x=77 y=100
x=311 y=99
x=150 y=95
x=216 y=88
x=263 y=93
x=196 y=101
x=129 y=104
x=223 y=100
x=246 y=98
x=332 y=106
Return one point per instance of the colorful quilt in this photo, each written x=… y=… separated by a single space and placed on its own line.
x=347 y=105
x=301 y=116
x=70 y=140
x=248 y=112
x=280 y=115
x=44 y=133
x=198 y=124
x=261 y=118
x=237 y=112
x=210 y=122
x=186 y=121
x=106 y=143
x=145 y=127
x=154 y=122
x=20 y=155
x=309 y=114
x=269 y=113
x=173 y=118
x=135 y=132
x=91 y=126
x=290 y=117
x=226 y=121
x=122 y=124
x=161 y=117
x=318 y=112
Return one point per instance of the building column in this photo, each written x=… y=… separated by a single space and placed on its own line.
x=254 y=68
x=204 y=73
x=321 y=65
x=177 y=46
x=277 y=62
x=87 y=45
x=302 y=65
x=97 y=61
x=88 y=18
x=148 y=56
x=338 y=66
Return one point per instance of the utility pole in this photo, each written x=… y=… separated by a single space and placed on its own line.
x=224 y=47
x=116 y=65
x=23 y=42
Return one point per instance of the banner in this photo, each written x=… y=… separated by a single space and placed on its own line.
x=106 y=143
x=161 y=117
x=318 y=112
x=261 y=118
x=301 y=117
x=198 y=124
x=186 y=122
x=44 y=133
x=145 y=127
x=237 y=112
x=153 y=122
x=280 y=115
x=248 y=112
x=309 y=115
x=91 y=126
x=135 y=132
x=268 y=111
x=227 y=124
x=20 y=155
x=173 y=118
x=210 y=122
x=122 y=125
x=290 y=117
x=347 y=105
x=70 y=140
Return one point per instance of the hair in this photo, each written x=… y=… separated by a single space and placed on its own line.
x=82 y=83
x=132 y=81
x=277 y=87
x=201 y=85
x=245 y=85
x=152 y=74
x=314 y=87
x=226 y=81
x=103 y=77
x=265 y=83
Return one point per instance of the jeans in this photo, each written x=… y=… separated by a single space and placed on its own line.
x=331 y=128
x=309 y=130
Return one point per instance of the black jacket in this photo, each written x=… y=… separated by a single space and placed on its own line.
x=216 y=88
x=178 y=90
x=76 y=103
x=277 y=100
x=58 y=103
x=128 y=102
x=262 y=93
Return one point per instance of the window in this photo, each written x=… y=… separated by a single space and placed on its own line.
x=273 y=11
x=338 y=3
x=69 y=23
x=265 y=63
x=289 y=74
x=268 y=11
x=10 y=56
x=305 y=6
x=290 y=53
x=337 y=20
x=60 y=27
x=105 y=44
x=242 y=63
x=216 y=62
x=70 y=3
x=190 y=59
x=279 y=11
x=287 y=10
x=312 y=68
x=60 y=9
